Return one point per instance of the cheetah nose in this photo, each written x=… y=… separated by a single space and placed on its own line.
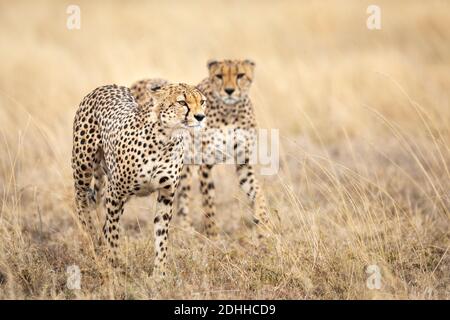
x=199 y=116
x=229 y=91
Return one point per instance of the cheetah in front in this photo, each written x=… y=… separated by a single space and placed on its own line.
x=132 y=151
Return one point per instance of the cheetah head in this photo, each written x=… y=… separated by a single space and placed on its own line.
x=180 y=106
x=231 y=79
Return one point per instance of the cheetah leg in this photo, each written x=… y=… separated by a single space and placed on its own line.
x=162 y=219
x=83 y=209
x=208 y=192
x=86 y=156
x=82 y=177
x=95 y=194
x=99 y=173
x=249 y=184
x=111 y=229
x=184 y=196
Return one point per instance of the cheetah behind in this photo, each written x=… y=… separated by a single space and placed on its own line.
x=229 y=109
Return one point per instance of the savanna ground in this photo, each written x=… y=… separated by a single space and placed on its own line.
x=364 y=120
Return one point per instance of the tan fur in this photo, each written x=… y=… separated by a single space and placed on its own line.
x=138 y=151
x=232 y=109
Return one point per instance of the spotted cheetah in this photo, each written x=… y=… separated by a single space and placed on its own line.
x=229 y=108
x=138 y=149
x=143 y=90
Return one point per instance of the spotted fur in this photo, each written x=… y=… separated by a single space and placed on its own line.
x=229 y=108
x=144 y=90
x=131 y=151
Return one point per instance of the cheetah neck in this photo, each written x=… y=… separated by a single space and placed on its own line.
x=230 y=113
x=151 y=127
x=162 y=135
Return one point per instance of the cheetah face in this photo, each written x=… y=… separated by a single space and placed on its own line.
x=182 y=106
x=231 y=79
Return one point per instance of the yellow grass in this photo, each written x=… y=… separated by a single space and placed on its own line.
x=364 y=120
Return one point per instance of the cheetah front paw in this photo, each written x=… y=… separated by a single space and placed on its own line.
x=159 y=273
x=186 y=223
x=211 y=230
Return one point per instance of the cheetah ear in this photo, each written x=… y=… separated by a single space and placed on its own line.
x=211 y=63
x=155 y=87
x=157 y=84
x=249 y=62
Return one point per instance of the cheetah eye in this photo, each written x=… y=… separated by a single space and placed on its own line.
x=183 y=103
x=240 y=75
x=219 y=76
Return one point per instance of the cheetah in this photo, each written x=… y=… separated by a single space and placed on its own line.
x=138 y=150
x=229 y=108
x=143 y=90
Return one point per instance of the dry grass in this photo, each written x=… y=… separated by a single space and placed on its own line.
x=364 y=119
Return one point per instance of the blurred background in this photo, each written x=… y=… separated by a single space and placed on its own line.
x=364 y=120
